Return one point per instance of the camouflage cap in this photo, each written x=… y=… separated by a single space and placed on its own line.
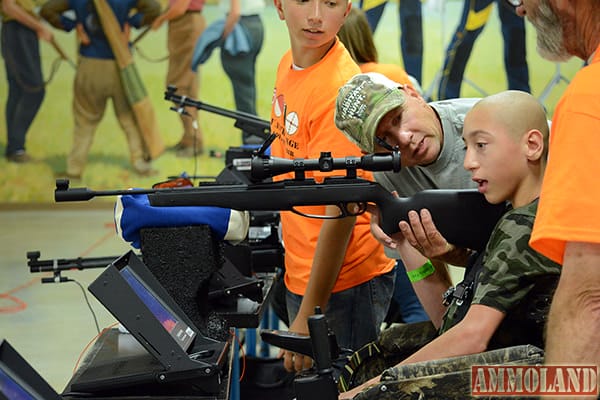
x=362 y=102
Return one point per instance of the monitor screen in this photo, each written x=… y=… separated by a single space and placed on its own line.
x=178 y=329
x=11 y=390
x=18 y=379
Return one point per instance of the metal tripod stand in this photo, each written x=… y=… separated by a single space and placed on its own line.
x=555 y=80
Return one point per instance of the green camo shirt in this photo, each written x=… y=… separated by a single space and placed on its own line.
x=514 y=279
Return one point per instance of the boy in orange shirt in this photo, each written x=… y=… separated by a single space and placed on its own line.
x=334 y=263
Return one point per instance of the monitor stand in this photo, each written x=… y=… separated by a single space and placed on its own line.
x=136 y=374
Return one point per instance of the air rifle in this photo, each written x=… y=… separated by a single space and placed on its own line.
x=56 y=266
x=247 y=122
x=463 y=217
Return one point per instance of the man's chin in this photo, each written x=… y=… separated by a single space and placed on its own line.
x=553 y=56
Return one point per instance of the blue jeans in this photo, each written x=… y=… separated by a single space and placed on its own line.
x=411 y=32
x=459 y=49
x=20 y=50
x=356 y=314
x=241 y=70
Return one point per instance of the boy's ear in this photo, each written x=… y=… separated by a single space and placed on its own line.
x=534 y=140
x=279 y=8
x=348 y=8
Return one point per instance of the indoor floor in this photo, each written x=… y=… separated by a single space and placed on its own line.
x=50 y=324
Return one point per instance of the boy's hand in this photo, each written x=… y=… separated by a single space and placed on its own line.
x=295 y=361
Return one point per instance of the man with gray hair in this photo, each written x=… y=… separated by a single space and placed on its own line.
x=381 y=115
x=567 y=229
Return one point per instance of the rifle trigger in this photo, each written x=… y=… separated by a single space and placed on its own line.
x=361 y=208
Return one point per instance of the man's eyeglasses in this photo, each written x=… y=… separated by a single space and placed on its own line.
x=381 y=142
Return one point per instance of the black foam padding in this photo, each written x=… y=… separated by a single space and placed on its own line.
x=183 y=259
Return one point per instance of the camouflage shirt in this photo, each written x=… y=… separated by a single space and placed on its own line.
x=513 y=279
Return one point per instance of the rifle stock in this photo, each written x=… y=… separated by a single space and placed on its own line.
x=463 y=217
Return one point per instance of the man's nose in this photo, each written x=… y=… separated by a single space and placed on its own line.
x=404 y=137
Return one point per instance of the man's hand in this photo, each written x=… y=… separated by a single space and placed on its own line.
x=295 y=361
x=422 y=234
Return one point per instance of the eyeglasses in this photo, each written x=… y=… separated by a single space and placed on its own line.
x=381 y=142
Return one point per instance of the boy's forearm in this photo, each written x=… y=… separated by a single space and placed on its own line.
x=327 y=263
x=449 y=344
x=470 y=336
x=430 y=289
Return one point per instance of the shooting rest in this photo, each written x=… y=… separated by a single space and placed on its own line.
x=191 y=264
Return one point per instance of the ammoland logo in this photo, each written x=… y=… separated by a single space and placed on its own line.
x=534 y=380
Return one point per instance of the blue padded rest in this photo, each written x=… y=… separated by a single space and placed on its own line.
x=134 y=212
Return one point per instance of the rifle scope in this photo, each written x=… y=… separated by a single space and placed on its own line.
x=266 y=167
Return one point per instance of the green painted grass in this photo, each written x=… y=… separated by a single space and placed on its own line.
x=49 y=138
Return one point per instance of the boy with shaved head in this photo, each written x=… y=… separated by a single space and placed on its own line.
x=505 y=136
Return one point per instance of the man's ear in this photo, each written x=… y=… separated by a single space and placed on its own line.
x=411 y=91
x=534 y=140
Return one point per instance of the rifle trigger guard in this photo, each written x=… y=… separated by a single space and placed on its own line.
x=361 y=209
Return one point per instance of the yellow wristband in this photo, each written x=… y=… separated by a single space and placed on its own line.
x=422 y=272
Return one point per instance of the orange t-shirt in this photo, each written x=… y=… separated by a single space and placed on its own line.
x=569 y=209
x=391 y=71
x=302 y=117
